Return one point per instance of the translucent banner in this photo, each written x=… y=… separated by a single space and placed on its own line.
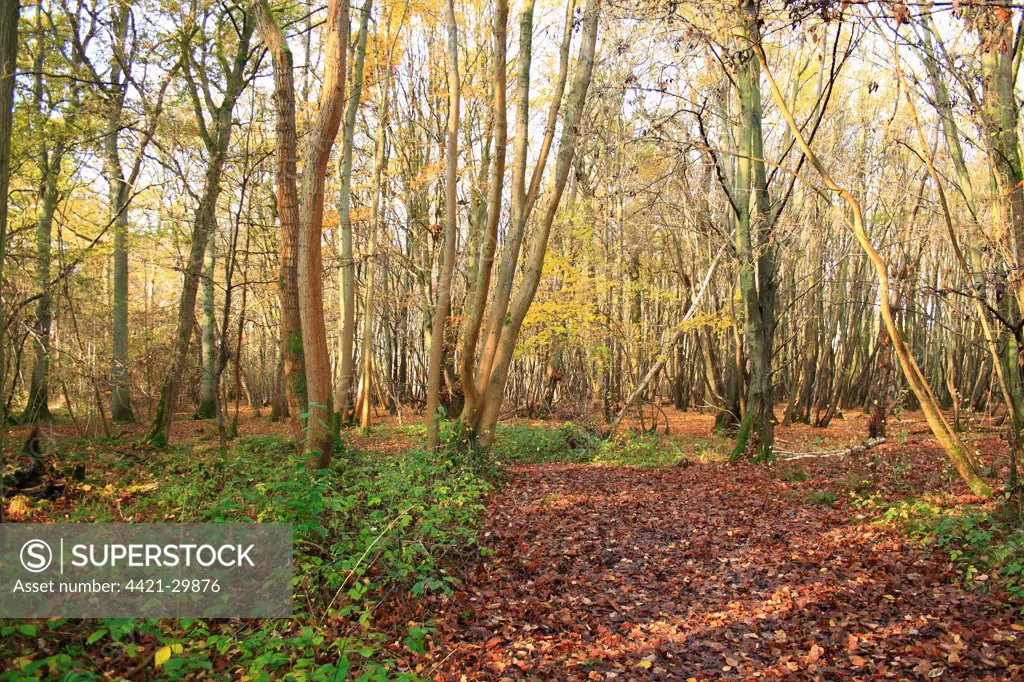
x=145 y=570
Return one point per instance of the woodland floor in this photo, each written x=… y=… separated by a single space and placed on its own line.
x=720 y=571
x=678 y=565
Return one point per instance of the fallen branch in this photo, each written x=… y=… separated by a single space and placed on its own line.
x=856 y=449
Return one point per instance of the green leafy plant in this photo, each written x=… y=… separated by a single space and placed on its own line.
x=793 y=474
x=986 y=548
x=823 y=498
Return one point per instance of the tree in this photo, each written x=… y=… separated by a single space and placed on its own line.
x=9 y=12
x=318 y=438
x=451 y=227
x=485 y=386
x=346 y=359
x=287 y=205
x=757 y=268
x=965 y=464
x=208 y=390
x=55 y=126
x=113 y=85
x=216 y=137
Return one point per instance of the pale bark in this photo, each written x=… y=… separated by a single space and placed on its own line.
x=444 y=287
x=120 y=398
x=38 y=395
x=380 y=161
x=208 y=389
x=346 y=358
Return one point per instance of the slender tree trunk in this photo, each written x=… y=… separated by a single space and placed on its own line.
x=207 y=396
x=38 y=395
x=444 y=287
x=319 y=429
x=523 y=195
x=346 y=358
x=380 y=161
x=49 y=159
x=8 y=65
x=120 y=398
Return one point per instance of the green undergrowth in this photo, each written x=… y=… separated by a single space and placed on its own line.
x=571 y=443
x=984 y=544
x=371 y=525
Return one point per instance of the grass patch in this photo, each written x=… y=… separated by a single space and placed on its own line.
x=542 y=444
x=821 y=498
x=793 y=474
x=643 y=450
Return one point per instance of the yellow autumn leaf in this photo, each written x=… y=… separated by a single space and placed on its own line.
x=163 y=654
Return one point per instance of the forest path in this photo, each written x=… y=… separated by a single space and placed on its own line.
x=709 y=571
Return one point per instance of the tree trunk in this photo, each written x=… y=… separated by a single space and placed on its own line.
x=38 y=395
x=380 y=161
x=444 y=287
x=346 y=359
x=8 y=65
x=49 y=162
x=207 y=396
x=287 y=202
x=757 y=272
x=319 y=441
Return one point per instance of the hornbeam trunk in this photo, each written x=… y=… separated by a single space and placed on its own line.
x=343 y=402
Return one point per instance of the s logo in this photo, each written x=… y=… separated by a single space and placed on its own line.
x=36 y=556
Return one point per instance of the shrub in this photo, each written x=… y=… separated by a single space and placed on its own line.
x=531 y=444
